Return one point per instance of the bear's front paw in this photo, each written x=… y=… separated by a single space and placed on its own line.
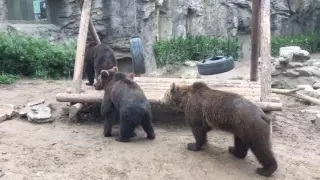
x=151 y=136
x=89 y=84
x=107 y=134
x=193 y=147
x=119 y=139
x=266 y=171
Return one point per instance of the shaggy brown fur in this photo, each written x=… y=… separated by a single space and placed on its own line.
x=206 y=108
x=125 y=99
x=98 y=58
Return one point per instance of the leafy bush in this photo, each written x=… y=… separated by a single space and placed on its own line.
x=309 y=42
x=36 y=57
x=194 y=48
x=8 y=78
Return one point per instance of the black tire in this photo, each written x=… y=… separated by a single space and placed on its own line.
x=215 y=65
x=137 y=55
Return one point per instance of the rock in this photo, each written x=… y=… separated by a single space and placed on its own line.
x=7 y=111
x=284 y=60
x=294 y=53
x=190 y=63
x=37 y=111
x=275 y=72
x=309 y=71
x=301 y=56
x=311 y=110
x=316 y=85
x=287 y=52
x=291 y=73
x=294 y=65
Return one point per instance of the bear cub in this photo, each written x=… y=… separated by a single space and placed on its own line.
x=206 y=108
x=97 y=58
x=124 y=99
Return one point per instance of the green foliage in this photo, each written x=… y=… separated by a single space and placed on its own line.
x=309 y=42
x=8 y=78
x=36 y=57
x=194 y=48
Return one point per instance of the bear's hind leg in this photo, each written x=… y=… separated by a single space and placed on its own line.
x=126 y=130
x=266 y=158
x=90 y=73
x=108 y=121
x=239 y=150
x=148 y=127
x=200 y=135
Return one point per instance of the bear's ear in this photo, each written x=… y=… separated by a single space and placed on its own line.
x=131 y=75
x=104 y=73
x=115 y=69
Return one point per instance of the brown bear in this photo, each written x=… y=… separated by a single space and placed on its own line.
x=206 y=108
x=124 y=99
x=98 y=58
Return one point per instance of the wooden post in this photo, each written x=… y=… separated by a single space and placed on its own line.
x=255 y=40
x=265 y=71
x=92 y=29
x=81 y=45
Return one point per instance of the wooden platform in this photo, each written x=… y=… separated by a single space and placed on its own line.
x=155 y=88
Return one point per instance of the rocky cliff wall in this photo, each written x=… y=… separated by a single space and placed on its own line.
x=116 y=21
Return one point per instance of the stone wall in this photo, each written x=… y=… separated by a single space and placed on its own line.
x=117 y=21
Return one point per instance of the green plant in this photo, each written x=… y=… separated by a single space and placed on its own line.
x=181 y=49
x=8 y=78
x=36 y=57
x=309 y=42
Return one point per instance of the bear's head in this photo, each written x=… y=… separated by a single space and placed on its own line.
x=106 y=76
x=174 y=95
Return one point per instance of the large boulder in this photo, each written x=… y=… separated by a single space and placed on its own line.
x=294 y=54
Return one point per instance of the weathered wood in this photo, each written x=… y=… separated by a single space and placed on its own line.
x=293 y=93
x=190 y=81
x=92 y=29
x=255 y=40
x=73 y=111
x=265 y=54
x=81 y=43
x=97 y=98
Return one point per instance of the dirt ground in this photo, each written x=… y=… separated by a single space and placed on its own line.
x=79 y=151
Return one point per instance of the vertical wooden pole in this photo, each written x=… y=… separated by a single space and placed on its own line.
x=92 y=29
x=81 y=45
x=255 y=40
x=265 y=32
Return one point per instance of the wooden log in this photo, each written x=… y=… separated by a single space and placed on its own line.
x=255 y=40
x=92 y=29
x=293 y=93
x=81 y=43
x=78 y=68
x=265 y=53
x=73 y=111
x=97 y=98
x=187 y=81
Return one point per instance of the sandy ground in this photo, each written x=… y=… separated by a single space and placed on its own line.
x=79 y=151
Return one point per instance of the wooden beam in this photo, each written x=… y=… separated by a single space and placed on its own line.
x=254 y=40
x=81 y=45
x=265 y=70
x=97 y=98
x=92 y=29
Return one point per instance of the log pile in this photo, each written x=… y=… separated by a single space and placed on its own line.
x=155 y=88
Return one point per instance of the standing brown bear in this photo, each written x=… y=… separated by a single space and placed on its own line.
x=97 y=58
x=206 y=108
x=125 y=99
